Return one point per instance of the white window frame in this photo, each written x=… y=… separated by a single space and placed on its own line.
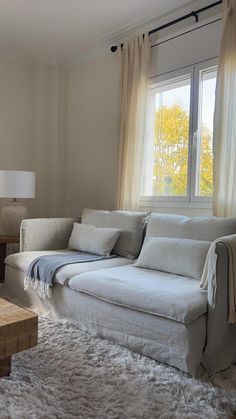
x=195 y=119
x=191 y=200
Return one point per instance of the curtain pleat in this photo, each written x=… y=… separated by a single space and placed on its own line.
x=134 y=69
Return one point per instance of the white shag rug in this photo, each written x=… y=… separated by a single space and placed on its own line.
x=71 y=374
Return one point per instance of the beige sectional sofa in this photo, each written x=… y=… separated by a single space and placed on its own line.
x=163 y=315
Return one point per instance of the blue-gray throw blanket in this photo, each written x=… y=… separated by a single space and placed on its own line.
x=40 y=274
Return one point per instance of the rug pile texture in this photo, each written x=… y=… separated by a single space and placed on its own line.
x=71 y=374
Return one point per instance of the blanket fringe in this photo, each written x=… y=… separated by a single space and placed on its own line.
x=41 y=288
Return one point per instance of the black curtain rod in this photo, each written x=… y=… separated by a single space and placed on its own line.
x=194 y=14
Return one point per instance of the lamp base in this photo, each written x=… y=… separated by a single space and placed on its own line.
x=11 y=217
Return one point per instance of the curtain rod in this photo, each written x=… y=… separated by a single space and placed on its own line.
x=194 y=14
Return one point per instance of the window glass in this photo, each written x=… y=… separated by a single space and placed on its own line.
x=168 y=138
x=178 y=162
x=204 y=169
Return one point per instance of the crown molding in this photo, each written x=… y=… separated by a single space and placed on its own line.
x=102 y=46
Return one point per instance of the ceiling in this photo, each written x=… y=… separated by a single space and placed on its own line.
x=54 y=31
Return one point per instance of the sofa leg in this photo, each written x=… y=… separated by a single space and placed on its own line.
x=5 y=367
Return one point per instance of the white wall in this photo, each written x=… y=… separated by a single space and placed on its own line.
x=33 y=133
x=93 y=121
x=16 y=89
x=49 y=139
x=16 y=113
x=33 y=112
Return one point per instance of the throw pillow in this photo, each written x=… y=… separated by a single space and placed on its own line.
x=129 y=223
x=87 y=238
x=178 y=256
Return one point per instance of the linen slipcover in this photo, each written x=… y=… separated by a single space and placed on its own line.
x=172 y=296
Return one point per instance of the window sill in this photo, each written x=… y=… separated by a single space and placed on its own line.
x=173 y=206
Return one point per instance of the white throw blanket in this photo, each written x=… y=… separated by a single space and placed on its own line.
x=209 y=274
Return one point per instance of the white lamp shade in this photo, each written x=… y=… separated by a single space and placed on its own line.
x=17 y=184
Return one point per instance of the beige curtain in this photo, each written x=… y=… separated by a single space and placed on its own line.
x=134 y=61
x=224 y=195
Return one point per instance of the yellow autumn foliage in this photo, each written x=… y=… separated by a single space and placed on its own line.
x=171 y=154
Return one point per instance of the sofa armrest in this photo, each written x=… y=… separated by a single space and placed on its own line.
x=220 y=350
x=45 y=233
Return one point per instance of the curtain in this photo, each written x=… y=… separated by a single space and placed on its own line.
x=134 y=66
x=224 y=195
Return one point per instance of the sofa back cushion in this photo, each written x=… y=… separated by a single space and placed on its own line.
x=87 y=238
x=129 y=223
x=196 y=228
x=177 y=256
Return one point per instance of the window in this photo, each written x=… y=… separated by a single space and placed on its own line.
x=179 y=140
x=204 y=169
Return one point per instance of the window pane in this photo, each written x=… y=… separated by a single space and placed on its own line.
x=204 y=184
x=168 y=138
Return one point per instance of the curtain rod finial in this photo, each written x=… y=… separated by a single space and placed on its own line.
x=114 y=48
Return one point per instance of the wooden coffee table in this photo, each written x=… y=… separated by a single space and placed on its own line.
x=18 y=331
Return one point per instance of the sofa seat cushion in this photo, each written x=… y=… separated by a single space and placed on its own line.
x=22 y=261
x=172 y=296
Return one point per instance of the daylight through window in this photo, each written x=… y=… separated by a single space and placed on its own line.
x=179 y=139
